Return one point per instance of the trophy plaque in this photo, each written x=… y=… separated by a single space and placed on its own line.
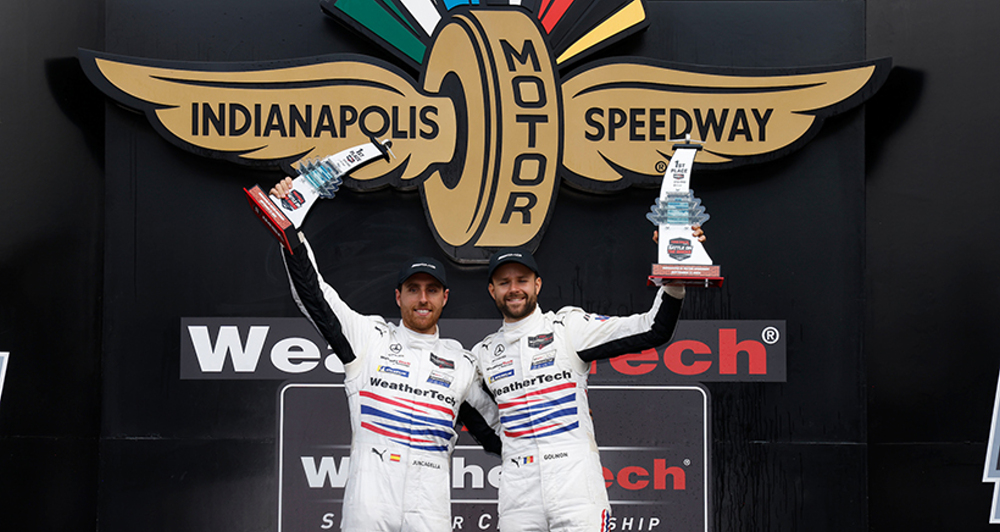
x=682 y=258
x=318 y=178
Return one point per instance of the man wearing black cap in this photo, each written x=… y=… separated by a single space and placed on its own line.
x=536 y=366
x=405 y=387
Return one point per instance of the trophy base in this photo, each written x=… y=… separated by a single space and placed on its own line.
x=277 y=223
x=686 y=274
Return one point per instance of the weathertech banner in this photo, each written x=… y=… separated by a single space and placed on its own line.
x=653 y=442
x=291 y=349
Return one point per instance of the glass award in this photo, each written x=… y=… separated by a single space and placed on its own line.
x=318 y=178
x=682 y=259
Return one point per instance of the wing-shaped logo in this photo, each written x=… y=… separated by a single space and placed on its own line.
x=490 y=129
x=274 y=114
x=622 y=114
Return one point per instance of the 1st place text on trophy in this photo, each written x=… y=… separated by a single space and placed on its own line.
x=682 y=259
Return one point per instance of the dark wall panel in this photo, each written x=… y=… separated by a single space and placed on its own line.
x=932 y=316
x=50 y=253
x=51 y=141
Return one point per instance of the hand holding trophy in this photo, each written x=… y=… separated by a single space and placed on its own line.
x=318 y=178
x=681 y=260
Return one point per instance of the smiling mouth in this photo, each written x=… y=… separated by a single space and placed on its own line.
x=516 y=299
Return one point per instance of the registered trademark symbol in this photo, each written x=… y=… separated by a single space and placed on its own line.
x=770 y=335
x=661 y=167
x=687 y=461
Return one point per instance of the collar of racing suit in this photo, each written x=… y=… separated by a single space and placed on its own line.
x=512 y=332
x=414 y=339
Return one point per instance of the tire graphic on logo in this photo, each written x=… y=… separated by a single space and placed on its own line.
x=500 y=186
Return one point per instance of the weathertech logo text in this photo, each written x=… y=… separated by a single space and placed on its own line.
x=290 y=349
x=527 y=383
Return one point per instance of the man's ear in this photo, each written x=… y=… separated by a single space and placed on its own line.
x=490 y=288
x=397 y=299
x=445 y=298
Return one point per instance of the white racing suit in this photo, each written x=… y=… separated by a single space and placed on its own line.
x=537 y=369
x=404 y=391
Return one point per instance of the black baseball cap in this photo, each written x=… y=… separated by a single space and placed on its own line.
x=423 y=265
x=518 y=255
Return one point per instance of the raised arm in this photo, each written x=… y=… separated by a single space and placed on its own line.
x=343 y=328
x=310 y=294
x=597 y=337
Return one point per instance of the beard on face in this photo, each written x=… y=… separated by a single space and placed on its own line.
x=420 y=323
x=530 y=302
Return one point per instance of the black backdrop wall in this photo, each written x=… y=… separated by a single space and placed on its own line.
x=52 y=264
x=931 y=375
x=855 y=240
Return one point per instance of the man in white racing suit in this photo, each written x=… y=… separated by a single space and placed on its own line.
x=536 y=366
x=405 y=387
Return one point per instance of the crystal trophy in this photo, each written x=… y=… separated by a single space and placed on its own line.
x=318 y=178
x=682 y=258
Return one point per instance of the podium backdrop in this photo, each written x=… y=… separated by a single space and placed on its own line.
x=868 y=249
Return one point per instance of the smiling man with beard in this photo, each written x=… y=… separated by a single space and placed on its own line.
x=536 y=366
x=406 y=388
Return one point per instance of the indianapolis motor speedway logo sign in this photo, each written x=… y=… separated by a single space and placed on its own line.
x=493 y=124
